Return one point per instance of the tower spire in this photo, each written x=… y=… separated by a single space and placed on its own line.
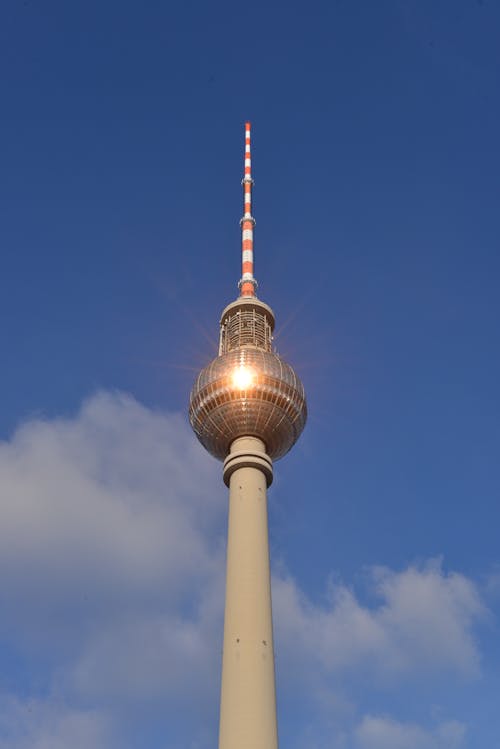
x=247 y=283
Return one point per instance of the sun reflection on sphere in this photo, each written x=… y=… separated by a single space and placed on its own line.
x=242 y=377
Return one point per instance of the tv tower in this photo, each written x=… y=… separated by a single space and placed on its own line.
x=247 y=408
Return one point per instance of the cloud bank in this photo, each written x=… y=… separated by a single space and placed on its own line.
x=112 y=528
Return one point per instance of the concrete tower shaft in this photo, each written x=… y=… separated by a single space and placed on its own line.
x=248 y=692
x=247 y=408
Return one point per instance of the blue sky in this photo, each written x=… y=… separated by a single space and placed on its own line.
x=376 y=165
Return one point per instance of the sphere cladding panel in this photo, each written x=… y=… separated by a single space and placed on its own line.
x=271 y=405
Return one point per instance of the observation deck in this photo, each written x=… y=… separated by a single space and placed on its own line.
x=248 y=390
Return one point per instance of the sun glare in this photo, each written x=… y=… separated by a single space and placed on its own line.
x=242 y=377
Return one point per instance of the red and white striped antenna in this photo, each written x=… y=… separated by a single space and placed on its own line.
x=247 y=283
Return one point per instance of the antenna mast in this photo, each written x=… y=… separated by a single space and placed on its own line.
x=247 y=283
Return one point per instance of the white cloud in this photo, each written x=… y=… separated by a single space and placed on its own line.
x=139 y=659
x=429 y=616
x=38 y=724
x=422 y=623
x=376 y=732
x=103 y=511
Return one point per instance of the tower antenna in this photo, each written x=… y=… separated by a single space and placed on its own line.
x=247 y=284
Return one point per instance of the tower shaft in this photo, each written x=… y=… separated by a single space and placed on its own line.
x=248 y=696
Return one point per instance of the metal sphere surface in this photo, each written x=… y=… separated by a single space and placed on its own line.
x=248 y=392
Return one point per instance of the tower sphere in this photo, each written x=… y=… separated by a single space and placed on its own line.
x=248 y=390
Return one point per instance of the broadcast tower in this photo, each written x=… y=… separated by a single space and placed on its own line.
x=247 y=408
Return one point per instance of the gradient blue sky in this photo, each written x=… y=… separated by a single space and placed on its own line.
x=377 y=175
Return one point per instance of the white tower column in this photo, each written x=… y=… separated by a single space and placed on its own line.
x=248 y=695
